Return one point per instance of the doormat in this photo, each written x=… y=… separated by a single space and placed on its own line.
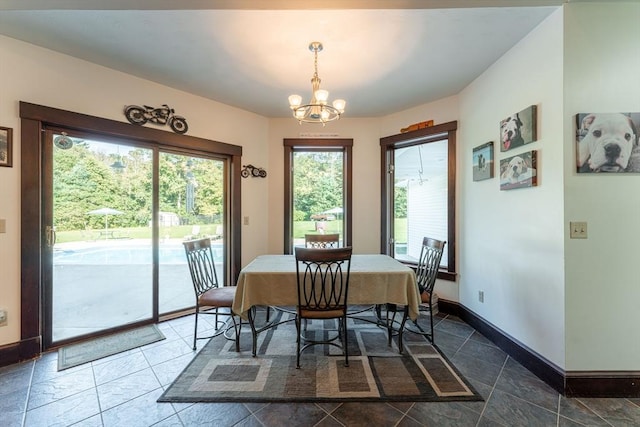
x=78 y=354
x=376 y=372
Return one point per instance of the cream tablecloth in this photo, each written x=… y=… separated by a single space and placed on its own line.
x=374 y=279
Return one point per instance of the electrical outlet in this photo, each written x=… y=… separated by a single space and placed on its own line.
x=578 y=229
x=246 y=220
x=481 y=296
x=3 y=317
x=3 y=226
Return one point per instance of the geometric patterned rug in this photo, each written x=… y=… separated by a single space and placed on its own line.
x=376 y=372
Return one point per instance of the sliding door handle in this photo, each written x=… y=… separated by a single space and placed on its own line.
x=51 y=236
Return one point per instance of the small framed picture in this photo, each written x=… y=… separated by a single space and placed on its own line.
x=483 y=162
x=519 y=171
x=518 y=129
x=6 y=147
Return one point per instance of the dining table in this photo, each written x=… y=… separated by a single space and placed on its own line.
x=270 y=280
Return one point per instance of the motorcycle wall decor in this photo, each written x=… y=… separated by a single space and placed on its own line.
x=164 y=115
x=250 y=170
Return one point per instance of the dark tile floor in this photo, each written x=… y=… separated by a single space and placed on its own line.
x=122 y=390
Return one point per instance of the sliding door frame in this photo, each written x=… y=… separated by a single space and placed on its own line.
x=35 y=119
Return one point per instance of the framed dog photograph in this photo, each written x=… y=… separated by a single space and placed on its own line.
x=483 y=162
x=607 y=143
x=6 y=147
x=519 y=171
x=518 y=129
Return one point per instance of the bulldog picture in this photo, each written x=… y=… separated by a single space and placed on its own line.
x=511 y=132
x=483 y=162
x=606 y=142
x=518 y=129
x=518 y=171
x=5 y=146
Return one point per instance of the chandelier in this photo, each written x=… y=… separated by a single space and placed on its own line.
x=318 y=110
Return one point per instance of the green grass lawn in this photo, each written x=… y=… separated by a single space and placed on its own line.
x=300 y=228
x=175 y=232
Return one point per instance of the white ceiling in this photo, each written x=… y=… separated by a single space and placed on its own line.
x=381 y=58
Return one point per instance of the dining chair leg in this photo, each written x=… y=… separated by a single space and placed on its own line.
x=345 y=343
x=237 y=328
x=432 y=338
x=401 y=329
x=298 y=342
x=195 y=328
x=390 y=319
x=254 y=334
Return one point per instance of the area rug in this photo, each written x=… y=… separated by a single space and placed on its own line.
x=78 y=354
x=376 y=372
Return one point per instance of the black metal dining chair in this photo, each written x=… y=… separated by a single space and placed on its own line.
x=322 y=241
x=323 y=284
x=211 y=298
x=426 y=274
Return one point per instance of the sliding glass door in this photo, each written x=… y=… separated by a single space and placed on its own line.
x=191 y=198
x=100 y=237
x=114 y=263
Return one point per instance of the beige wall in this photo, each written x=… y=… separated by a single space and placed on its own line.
x=47 y=78
x=511 y=242
x=602 y=74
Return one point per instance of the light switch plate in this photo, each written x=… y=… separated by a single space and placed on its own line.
x=3 y=225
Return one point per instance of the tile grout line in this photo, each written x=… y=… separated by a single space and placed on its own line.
x=486 y=403
x=26 y=403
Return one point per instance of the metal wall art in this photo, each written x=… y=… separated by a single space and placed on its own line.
x=250 y=170
x=164 y=115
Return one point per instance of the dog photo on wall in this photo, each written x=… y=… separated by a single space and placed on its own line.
x=607 y=142
x=5 y=146
x=483 y=162
x=518 y=129
x=519 y=171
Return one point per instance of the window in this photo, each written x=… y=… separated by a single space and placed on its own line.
x=418 y=193
x=317 y=189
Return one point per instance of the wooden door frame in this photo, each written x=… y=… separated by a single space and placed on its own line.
x=34 y=120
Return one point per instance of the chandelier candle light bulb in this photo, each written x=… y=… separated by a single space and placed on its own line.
x=318 y=110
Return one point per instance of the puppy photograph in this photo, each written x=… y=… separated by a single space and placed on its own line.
x=607 y=142
x=483 y=162
x=518 y=129
x=518 y=171
x=5 y=146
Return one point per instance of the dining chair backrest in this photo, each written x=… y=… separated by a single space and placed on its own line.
x=322 y=241
x=429 y=263
x=201 y=265
x=323 y=279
